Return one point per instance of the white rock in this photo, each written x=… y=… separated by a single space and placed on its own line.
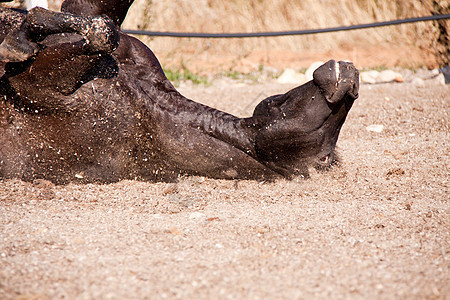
x=389 y=76
x=374 y=76
x=418 y=81
x=197 y=216
x=375 y=128
x=369 y=76
x=440 y=79
x=292 y=77
x=435 y=72
x=309 y=72
x=33 y=3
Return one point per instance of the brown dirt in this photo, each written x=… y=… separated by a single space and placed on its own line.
x=377 y=227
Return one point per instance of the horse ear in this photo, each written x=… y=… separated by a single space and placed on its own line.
x=116 y=10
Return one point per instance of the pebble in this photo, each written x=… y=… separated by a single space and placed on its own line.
x=375 y=128
x=441 y=79
x=309 y=72
x=290 y=76
x=197 y=216
x=390 y=76
x=418 y=81
x=374 y=76
x=369 y=76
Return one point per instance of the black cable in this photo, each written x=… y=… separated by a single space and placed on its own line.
x=284 y=33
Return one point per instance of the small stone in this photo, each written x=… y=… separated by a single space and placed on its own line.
x=34 y=3
x=418 y=82
x=389 y=76
x=440 y=79
x=197 y=216
x=375 y=128
x=309 y=72
x=369 y=76
x=399 y=78
x=290 y=76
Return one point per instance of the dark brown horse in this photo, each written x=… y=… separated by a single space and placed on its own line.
x=82 y=101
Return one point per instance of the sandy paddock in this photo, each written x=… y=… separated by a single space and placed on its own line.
x=376 y=227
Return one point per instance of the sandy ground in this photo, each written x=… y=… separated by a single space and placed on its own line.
x=377 y=227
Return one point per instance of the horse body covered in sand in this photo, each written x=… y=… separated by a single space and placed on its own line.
x=82 y=101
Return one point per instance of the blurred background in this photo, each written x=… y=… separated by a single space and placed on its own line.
x=417 y=45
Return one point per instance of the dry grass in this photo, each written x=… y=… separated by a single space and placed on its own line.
x=410 y=45
x=270 y=15
x=277 y=15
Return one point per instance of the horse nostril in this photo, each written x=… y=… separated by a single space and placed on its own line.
x=325 y=160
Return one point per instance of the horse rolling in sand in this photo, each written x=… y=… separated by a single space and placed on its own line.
x=82 y=101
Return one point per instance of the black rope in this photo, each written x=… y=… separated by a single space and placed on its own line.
x=284 y=33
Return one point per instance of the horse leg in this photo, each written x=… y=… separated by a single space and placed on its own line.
x=57 y=63
x=56 y=72
x=99 y=33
